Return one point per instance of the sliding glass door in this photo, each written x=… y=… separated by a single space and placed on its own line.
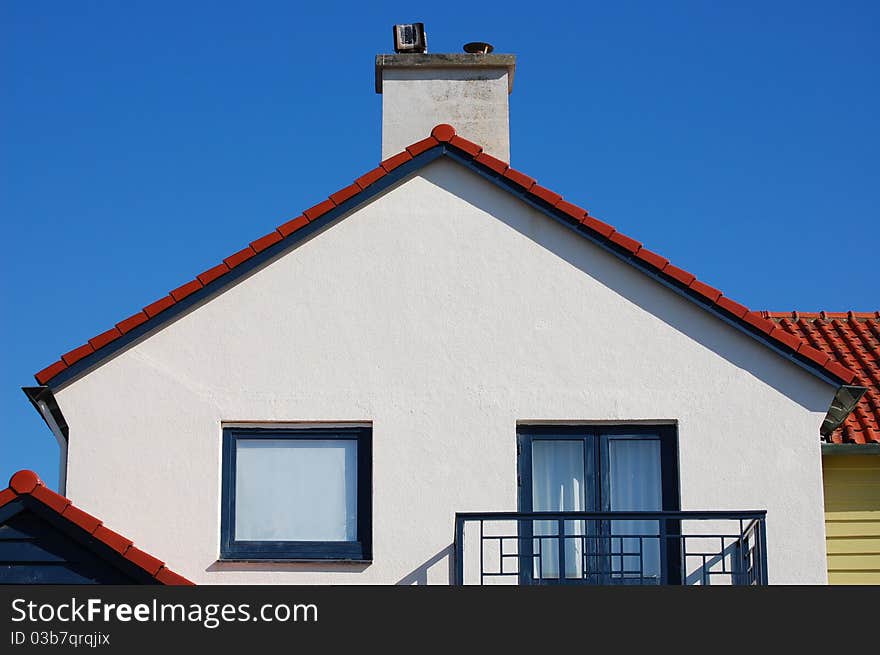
x=597 y=469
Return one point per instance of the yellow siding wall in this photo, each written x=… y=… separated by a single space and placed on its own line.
x=852 y=518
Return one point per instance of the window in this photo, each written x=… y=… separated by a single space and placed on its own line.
x=296 y=494
x=599 y=469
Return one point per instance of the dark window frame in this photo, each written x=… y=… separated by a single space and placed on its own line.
x=596 y=449
x=352 y=551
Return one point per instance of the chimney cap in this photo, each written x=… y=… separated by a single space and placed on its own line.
x=439 y=61
x=478 y=48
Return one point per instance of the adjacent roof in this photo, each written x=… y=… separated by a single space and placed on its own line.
x=443 y=141
x=853 y=340
x=26 y=484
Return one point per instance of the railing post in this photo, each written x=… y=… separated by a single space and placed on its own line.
x=459 y=550
x=664 y=553
x=762 y=540
x=560 y=535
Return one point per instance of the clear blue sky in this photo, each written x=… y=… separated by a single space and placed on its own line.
x=141 y=142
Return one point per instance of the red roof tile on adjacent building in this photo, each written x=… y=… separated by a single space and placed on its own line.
x=851 y=340
x=445 y=136
x=27 y=483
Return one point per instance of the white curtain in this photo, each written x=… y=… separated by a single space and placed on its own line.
x=296 y=490
x=557 y=486
x=634 y=468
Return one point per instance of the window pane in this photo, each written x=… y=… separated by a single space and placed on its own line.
x=296 y=490
x=635 y=486
x=558 y=475
x=558 y=485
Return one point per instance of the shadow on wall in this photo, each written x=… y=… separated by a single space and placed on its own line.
x=420 y=575
x=630 y=283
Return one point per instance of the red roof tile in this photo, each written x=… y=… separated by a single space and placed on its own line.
x=292 y=226
x=469 y=147
x=443 y=132
x=444 y=136
x=159 y=306
x=850 y=340
x=185 y=290
x=320 y=209
x=598 y=226
x=393 y=162
x=213 y=273
x=240 y=257
x=77 y=354
x=520 y=179
x=548 y=196
x=265 y=241
x=50 y=372
x=349 y=192
x=419 y=147
x=27 y=483
x=105 y=337
x=492 y=163
x=370 y=177
x=130 y=323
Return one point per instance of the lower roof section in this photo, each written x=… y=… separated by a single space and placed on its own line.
x=51 y=541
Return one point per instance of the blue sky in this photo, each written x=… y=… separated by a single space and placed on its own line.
x=141 y=142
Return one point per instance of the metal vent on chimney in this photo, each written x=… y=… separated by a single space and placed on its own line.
x=478 y=48
x=410 y=38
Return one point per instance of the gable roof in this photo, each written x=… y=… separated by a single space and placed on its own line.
x=443 y=141
x=853 y=340
x=26 y=485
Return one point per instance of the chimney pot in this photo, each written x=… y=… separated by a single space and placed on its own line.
x=478 y=48
x=410 y=37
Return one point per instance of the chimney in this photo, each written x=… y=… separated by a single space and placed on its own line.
x=467 y=90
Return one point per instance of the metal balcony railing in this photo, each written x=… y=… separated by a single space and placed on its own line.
x=611 y=548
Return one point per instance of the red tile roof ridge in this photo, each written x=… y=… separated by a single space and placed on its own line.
x=823 y=315
x=444 y=135
x=28 y=483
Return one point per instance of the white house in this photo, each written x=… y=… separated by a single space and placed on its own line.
x=445 y=336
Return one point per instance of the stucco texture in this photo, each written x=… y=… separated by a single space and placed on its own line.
x=442 y=313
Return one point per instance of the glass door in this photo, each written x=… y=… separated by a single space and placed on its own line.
x=596 y=469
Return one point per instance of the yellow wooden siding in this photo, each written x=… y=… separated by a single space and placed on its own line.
x=852 y=518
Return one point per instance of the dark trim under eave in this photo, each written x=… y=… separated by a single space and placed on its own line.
x=44 y=394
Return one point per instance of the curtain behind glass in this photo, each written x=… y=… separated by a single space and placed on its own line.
x=558 y=485
x=296 y=490
x=634 y=470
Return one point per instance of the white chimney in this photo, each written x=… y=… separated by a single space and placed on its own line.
x=468 y=91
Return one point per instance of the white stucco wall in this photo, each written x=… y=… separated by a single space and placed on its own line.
x=443 y=313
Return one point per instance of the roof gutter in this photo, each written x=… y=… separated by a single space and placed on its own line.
x=844 y=402
x=44 y=402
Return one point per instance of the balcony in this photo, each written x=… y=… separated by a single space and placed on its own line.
x=611 y=548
